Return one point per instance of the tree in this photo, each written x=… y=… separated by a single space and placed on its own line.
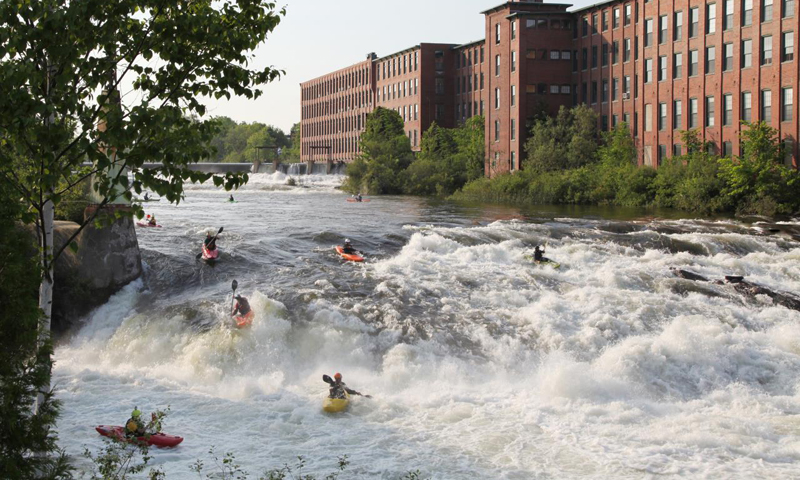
x=292 y=154
x=61 y=67
x=25 y=364
x=757 y=181
x=568 y=140
x=386 y=153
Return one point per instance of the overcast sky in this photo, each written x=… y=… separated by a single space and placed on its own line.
x=319 y=36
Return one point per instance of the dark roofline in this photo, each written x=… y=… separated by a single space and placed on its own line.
x=503 y=5
x=464 y=45
x=593 y=6
x=536 y=14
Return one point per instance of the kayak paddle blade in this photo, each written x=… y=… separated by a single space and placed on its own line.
x=234 y=285
x=327 y=379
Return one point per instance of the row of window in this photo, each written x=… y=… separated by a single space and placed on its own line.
x=399 y=65
x=341 y=82
x=710 y=59
x=728 y=8
x=398 y=90
x=337 y=105
x=334 y=126
x=340 y=147
x=726 y=151
x=469 y=57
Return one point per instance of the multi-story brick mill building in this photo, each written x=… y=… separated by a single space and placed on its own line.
x=660 y=66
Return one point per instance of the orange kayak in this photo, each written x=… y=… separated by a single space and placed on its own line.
x=348 y=256
x=245 y=320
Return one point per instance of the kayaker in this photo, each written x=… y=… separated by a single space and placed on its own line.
x=134 y=427
x=146 y=196
x=358 y=197
x=338 y=388
x=231 y=199
x=538 y=254
x=348 y=248
x=210 y=242
x=152 y=220
x=242 y=307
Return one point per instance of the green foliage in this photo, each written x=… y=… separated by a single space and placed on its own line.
x=292 y=154
x=568 y=140
x=237 y=142
x=24 y=365
x=386 y=153
x=121 y=460
x=758 y=182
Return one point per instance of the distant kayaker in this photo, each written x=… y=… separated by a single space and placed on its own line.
x=146 y=196
x=338 y=388
x=151 y=220
x=210 y=242
x=348 y=248
x=358 y=197
x=230 y=199
x=134 y=427
x=538 y=254
x=242 y=306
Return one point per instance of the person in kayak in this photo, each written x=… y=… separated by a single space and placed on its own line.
x=348 y=248
x=338 y=388
x=538 y=254
x=231 y=199
x=358 y=197
x=146 y=196
x=135 y=427
x=210 y=242
x=242 y=307
x=151 y=220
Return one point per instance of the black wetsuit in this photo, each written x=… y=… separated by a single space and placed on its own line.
x=242 y=307
x=338 y=388
x=210 y=243
x=348 y=249
x=538 y=255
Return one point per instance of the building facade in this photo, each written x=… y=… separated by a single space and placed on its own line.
x=660 y=66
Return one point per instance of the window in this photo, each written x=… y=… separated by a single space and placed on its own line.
x=626 y=87
x=693 y=62
x=648 y=32
x=614 y=120
x=766 y=50
x=513 y=160
x=584 y=26
x=788 y=8
x=787 y=101
x=710 y=111
x=513 y=29
x=747 y=53
x=766 y=11
x=727 y=59
x=648 y=70
x=604 y=55
x=614 y=89
x=605 y=21
x=727 y=148
x=766 y=105
x=497 y=34
x=604 y=96
x=727 y=17
x=497 y=65
x=594 y=92
x=677 y=65
x=747 y=106
x=677 y=27
x=554 y=89
x=594 y=56
x=574 y=60
x=662 y=29
x=648 y=117
x=616 y=18
x=662 y=153
x=747 y=12
x=788 y=47
x=554 y=55
x=711 y=18
x=514 y=61
x=604 y=122
x=676 y=150
x=677 y=114
x=628 y=14
x=662 y=116
x=662 y=68
x=566 y=89
x=727 y=112
x=626 y=55
x=497 y=130
x=594 y=24
x=482 y=80
x=711 y=59
x=585 y=59
x=693 y=107
x=481 y=54
x=513 y=129
x=694 y=21
x=514 y=95
x=482 y=109
x=440 y=86
x=615 y=52
x=496 y=98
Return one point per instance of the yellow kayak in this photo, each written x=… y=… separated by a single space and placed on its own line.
x=334 y=405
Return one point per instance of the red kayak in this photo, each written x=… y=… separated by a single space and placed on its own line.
x=348 y=256
x=245 y=320
x=210 y=254
x=358 y=201
x=142 y=224
x=157 y=439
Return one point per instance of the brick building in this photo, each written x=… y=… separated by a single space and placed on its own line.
x=660 y=66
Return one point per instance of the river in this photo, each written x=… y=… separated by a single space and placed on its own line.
x=481 y=364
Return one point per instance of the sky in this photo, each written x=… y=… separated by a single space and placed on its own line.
x=319 y=36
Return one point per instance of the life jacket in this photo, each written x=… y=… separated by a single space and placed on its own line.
x=243 y=306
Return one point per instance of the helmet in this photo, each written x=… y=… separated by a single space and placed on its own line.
x=338 y=376
x=346 y=240
x=136 y=413
x=238 y=297
x=148 y=216
x=208 y=234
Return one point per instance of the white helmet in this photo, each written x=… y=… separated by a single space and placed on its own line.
x=346 y=240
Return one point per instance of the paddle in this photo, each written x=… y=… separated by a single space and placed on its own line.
x=330 y=381
x=215 y=237
x=234 y=285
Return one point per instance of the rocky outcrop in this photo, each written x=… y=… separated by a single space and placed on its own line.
x=743 y=287
x=106 y=260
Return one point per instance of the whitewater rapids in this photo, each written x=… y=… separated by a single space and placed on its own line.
x=481 y=364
